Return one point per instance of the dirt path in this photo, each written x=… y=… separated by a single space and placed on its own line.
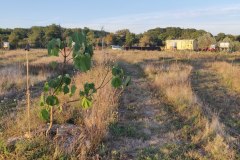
x=148 y=126
x=145 y=123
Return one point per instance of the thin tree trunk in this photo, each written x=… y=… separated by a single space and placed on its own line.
x=51 y=121
x=28 y=96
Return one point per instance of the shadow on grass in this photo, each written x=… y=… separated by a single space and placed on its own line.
x=216 y=97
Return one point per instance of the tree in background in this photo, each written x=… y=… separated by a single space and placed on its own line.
x=220 y=37
x=192 y=33
x=236 y=43
x=86 y=30
x=159 y=35
x=144 y=41
x=238 y=38
x=163 y=37
x=227 y=39
x=4 y=34
x=129 y=39
x=173 y=32
x=23 y=42
x=232 y=37
x=36 y=37
x=120 y=37
x=13 y=39
x=16 y=36
x=91 y=38
x=39 y=36
x=137 y=39
x=52 y=31
x=153 y=34
x=205 y=41
x=236 y=46
x=67 y=33
x=109 y=39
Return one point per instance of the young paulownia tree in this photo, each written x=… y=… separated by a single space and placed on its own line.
x=78 y=50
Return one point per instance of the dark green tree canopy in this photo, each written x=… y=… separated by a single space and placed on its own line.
x=39 y=37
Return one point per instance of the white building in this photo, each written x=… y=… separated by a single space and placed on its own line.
x=6 y=45
x=224 y=46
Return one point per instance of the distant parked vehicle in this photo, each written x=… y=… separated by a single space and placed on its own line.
x=212 y=48
x=116 y=47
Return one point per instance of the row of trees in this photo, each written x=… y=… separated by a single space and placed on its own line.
x=207 y=39
x=153 y=37
x=38 y=37
x=158 y=36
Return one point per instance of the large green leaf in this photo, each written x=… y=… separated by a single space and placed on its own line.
x=127 y=81
x=50 y=46
x=89 y=87
x=52 y=100
x=78 y=39
x=46 y=87
x=116 y=71
x=69 y=41
x=81 y=45
x=58 y=43
x=67 y=79
x=82 y=62
x=73 y=90
x=54 y=52
x=65 y=89
x=54 y=83
x=42 y=100
x=54 y=47
x=86 y=103
x=89 y=49
x=82 y=93
x=45 y=115
x=116 y=82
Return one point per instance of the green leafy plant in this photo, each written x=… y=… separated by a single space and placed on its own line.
x=78 y=50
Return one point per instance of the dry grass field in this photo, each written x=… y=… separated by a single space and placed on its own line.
x=179 y=105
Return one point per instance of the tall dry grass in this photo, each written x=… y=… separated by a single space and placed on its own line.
x=16 y=56
x=13 y=70
x=174 y=81
x=229 y=73
x=89 y=127
x=14 y=79
x=141 y=56
x=103 y=112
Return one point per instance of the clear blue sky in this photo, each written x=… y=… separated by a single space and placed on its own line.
x=138 y=15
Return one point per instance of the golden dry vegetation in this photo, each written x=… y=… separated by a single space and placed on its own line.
x=180 y=105
x=86 y=128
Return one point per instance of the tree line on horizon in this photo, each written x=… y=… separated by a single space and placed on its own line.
x=38 y=36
